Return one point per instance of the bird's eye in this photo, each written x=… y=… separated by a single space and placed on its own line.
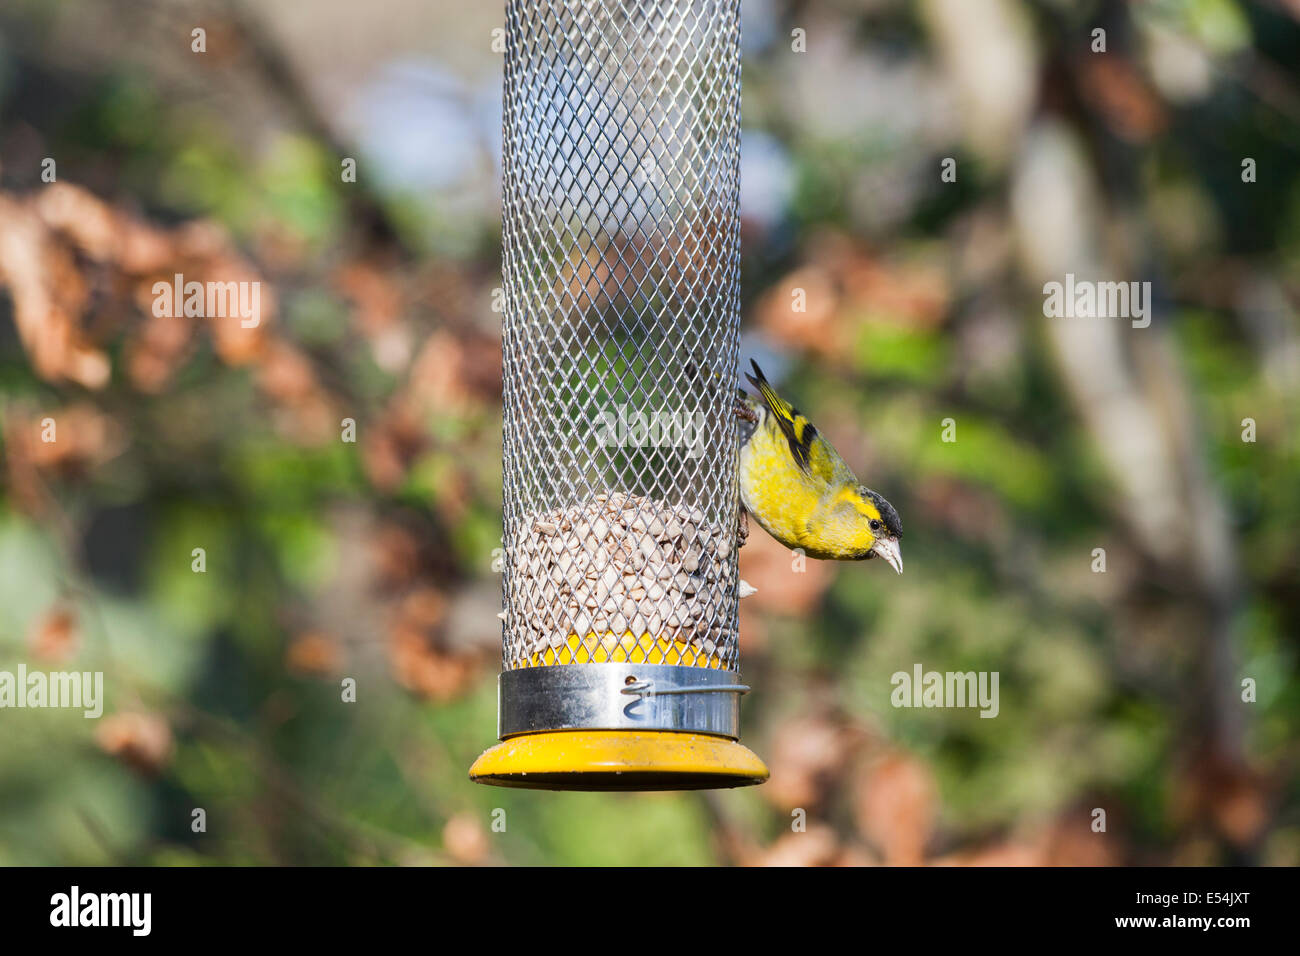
x=875 y=525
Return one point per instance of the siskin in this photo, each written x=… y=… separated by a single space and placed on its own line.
x=800 y=490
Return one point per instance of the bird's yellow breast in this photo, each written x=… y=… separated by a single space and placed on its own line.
x=780 y=495
x=797 y=507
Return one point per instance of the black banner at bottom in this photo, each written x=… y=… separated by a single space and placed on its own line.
x=302 y=906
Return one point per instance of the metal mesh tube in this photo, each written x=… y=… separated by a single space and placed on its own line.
x=621 y=234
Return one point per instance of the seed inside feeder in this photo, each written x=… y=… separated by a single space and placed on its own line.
x=622 y=578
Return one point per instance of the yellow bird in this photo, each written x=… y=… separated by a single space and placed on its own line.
x=800 y=490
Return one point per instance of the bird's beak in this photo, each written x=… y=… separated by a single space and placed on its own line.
x=888 y=549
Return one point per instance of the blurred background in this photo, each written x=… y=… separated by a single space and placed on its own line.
x=374 y=559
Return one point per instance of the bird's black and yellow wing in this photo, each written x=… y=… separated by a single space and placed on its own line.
x=799 y=432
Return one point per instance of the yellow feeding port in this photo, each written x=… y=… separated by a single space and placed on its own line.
x=594 y=649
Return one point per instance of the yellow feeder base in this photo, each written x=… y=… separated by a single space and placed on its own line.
x=618 y=760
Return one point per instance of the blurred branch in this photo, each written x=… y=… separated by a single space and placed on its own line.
x=280 y=74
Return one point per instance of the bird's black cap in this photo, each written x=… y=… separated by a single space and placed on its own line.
x=887 y=513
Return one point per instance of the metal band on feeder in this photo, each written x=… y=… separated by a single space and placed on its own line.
x=621 y=258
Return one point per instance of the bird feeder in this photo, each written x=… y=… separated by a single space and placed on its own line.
x=620 y=667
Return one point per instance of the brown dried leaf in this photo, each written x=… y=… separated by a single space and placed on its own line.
x=1121 y=94
x=391 y=445
x=395 y=555
x=156 y=350
x=808 y=755
x=86 y=221
x=55 y=636
x=423 y=607
x=456 y=373
x=466 y=839
x=142 y=741
x=1070 y=841
x=815 y=329
x=421 y=667
x=49 y=296
x=841 y=286
x=896 y=807
x=84 y=438
x=370 y=286
x=1232 y=797
x=999 y=854
x=818 y=846
x=314 y=654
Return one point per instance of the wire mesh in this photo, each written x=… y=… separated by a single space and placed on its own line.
x=621 y=235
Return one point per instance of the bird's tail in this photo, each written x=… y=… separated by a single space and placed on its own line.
x=775 y=402
x=798 y=431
